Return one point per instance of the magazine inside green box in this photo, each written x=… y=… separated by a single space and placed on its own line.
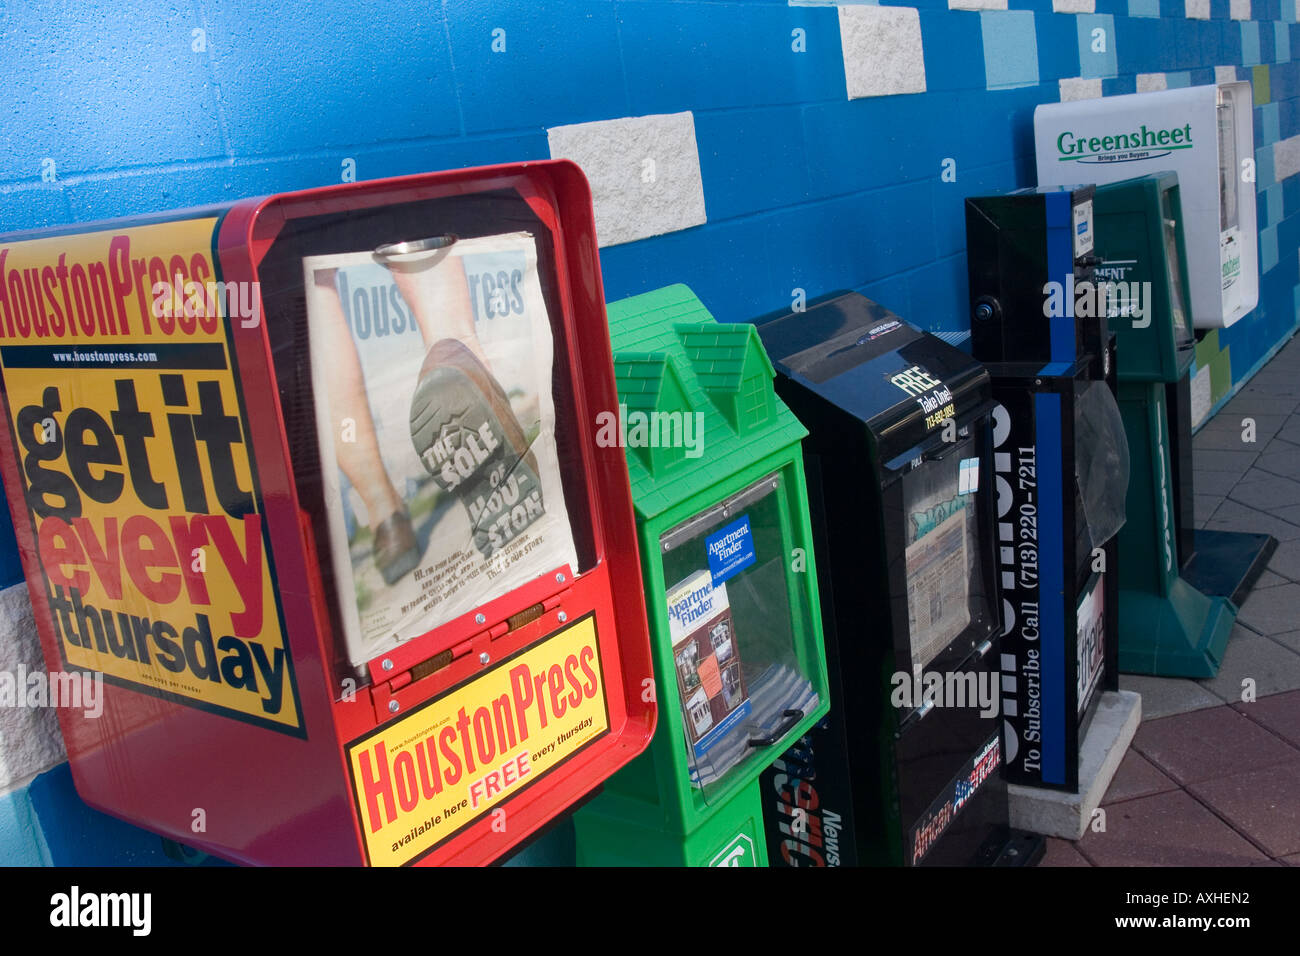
x=733 y=631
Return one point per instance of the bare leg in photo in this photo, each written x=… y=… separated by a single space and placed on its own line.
x=395 y=550
x=438 y=296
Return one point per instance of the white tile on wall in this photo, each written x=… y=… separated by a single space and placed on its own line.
x=644 y=173
x=1200 y=395
x=1076 y=88
x=1286 y=158
x=1197 y=9
x=1074 y=6
x=1150 y=82
x=30 y=742
x=882 y=50
x=1227 y=74
x=1239 y=9
x=983 y=4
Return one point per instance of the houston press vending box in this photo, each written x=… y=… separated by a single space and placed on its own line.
x=731 y=587
x=906 y=768
x=1061 y=465
x=309 y=480
x=1203 y=133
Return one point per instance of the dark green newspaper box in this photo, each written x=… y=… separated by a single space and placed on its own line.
x=1178 y=587
x=717 y=478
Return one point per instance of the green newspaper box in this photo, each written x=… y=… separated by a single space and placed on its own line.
x=731 y=588
x=1178 y=587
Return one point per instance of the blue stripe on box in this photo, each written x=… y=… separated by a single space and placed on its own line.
x=1051 y=584
x=1060 y=268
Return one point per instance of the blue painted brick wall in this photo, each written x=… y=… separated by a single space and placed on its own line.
x=803 y=187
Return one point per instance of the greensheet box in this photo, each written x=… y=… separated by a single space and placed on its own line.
x=1169 y=624
x=1144 y=260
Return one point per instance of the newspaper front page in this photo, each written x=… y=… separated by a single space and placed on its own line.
x=431 y=373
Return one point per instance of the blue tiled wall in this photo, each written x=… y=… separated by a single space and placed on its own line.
x=143 y=108
x=121 y=108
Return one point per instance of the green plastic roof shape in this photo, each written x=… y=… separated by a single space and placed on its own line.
x=692 y=392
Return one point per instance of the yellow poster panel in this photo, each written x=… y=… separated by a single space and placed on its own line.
x=130 y=434
x=421 y=779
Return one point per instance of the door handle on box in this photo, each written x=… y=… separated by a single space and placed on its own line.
x=390 y=249
x=914 y=717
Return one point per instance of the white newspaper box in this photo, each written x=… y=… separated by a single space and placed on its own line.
x=1203 y=133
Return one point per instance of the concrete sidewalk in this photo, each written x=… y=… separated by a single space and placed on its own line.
x=1212 y=780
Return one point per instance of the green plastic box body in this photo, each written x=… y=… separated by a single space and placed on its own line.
x=1167 y=627
x=730 y=835
x=735 y=462
x=1140 y=240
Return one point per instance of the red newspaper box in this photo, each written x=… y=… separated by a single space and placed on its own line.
x=308 y=486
